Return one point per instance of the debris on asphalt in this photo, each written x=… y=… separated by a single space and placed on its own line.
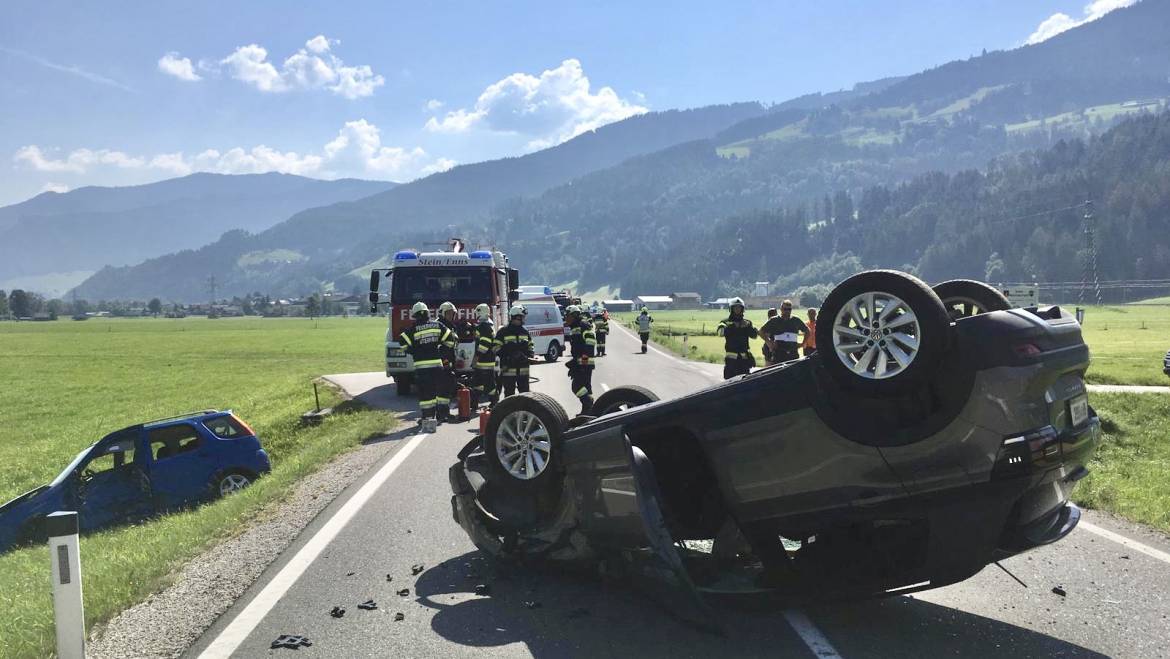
x=416 y=568
x=408 y=530
x=1059 y=591
x=389 y=578
x=1125 y=557
x=291 y=642
x=368 y=605
x=483 y=589
x=532 y=605
x=350 y=574
x=404 y=592
x=399 y=617
x=337 y=612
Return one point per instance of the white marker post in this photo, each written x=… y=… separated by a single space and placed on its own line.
x=68 y=612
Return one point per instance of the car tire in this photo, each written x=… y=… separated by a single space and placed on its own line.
x=402 y=384
x=882 y=332
x=553 y=353
x=529 y=421
x=622 y=398
x=231 y=481
x=967 y=297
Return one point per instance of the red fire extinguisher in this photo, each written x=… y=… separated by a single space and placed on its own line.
x=464 y=396
x=484 y=415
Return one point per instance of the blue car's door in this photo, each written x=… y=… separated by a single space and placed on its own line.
x=111 y=484
x=180 y=464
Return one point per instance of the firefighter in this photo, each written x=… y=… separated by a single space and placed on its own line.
x=737 y=332
x=448 y=316
x=514 y=346
x=601 y=328
x=781 y=334
x=583 y=347
x=484 y=362
x=426 y=342
x=645 y=320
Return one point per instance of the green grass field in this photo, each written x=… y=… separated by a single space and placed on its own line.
x=68 y=383
x=1127 y=342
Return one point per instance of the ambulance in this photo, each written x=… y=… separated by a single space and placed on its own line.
x=543 y=322
x=466 y=279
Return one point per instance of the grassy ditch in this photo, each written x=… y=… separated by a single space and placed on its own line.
x=67 y=384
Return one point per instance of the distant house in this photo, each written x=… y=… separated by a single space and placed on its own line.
x=761 y=289
x=654 y=302
x=687 y=300
x=618 y=305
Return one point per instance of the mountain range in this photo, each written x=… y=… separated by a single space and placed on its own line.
x=617 y=205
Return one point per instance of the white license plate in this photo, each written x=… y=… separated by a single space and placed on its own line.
x=1078 y=410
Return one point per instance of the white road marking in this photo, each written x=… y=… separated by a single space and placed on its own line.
x=685 y=362
x=604 y=386
x=229 y=640
x=812 y=637
x=1124 y=541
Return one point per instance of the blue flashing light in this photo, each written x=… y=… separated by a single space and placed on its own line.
x=548 y=290
x=405 y=255
x=481 y=254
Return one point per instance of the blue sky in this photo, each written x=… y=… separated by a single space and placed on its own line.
x=118 y=93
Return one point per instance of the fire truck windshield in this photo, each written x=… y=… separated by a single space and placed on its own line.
x=435 y=285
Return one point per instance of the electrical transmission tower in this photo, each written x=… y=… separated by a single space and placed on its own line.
x=1090 y=258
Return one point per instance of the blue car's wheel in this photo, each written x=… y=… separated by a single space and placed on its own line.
x=232 y=482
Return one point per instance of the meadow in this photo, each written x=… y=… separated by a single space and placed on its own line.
x=1127 y=342
x=66 y=384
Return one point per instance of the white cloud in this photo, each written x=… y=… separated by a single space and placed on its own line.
x=1061 y=22
x=71 y=70
x=180 y=67
x=356 y=151
x=549 y=109
x=433 y=104
x=311 y=67
x=54 y=187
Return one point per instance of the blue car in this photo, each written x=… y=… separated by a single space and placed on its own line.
x=141 y=471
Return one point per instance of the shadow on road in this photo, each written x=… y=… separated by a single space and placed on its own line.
x=557 y=613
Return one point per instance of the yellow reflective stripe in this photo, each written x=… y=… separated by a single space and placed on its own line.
x=488 y=366
x=590 y=342
x=428 y=363
x=442 y=400
x=427 y=404
x=582 y=392
x=737 y=355
x=427 y=332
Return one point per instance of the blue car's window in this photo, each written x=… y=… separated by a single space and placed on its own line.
x=227 y=427
x=174 y=440
x=116 y=455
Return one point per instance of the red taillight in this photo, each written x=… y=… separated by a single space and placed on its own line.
x=245 y=426
x=1027 y=350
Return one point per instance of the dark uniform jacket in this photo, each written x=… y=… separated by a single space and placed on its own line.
x=514 y=345
x=582 y=343
x=736 y=334
x=785 y=331
x=600 y=325
x=428 y=343
x=485 y=345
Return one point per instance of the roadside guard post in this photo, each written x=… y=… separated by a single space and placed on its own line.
x=68 y=613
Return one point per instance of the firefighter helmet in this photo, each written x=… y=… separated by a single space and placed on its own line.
x=483 y=312
x=736 y=302
x=645 y=310
x=572 y=309
x=517 y=310
x=420 y=310
x=445 y=307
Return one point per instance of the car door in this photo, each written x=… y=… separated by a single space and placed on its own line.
x=112 y=486
x=180 y=464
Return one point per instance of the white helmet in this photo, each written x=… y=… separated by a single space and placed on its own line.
x=445 y=307
x=517 y=310
x=420 y=309
x=483 y=312
x=735 y=301
x=572 y=309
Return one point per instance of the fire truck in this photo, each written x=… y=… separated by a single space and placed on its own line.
x=466 y=279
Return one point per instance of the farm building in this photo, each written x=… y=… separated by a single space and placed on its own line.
x=654 y=302
x=687 y=300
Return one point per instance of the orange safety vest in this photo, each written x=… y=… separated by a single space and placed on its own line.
x=810 y=339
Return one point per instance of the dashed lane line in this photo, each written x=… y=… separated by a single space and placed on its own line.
x=232 y=636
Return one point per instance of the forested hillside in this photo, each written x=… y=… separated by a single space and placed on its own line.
x=1019 y=219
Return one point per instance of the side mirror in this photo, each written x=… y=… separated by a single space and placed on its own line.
x=375 y=280
x=513 y=279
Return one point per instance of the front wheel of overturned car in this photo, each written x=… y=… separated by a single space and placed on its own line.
x=622 y=398
x=523 y=439
x=882 y=332
x=967 y=297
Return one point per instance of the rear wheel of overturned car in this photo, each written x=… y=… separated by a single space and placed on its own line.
x=523 y=439
x=967 y=297
x=882 y=332
x=402 y=383
x=622 y=398
x=230 y=482
x=553 y=353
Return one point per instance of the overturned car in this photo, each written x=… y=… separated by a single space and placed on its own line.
x=935 y=431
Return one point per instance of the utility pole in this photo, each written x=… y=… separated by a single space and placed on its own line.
x=1090 y=260
x=211 y=286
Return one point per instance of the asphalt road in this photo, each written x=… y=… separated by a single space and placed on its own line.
x=1117 y=601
